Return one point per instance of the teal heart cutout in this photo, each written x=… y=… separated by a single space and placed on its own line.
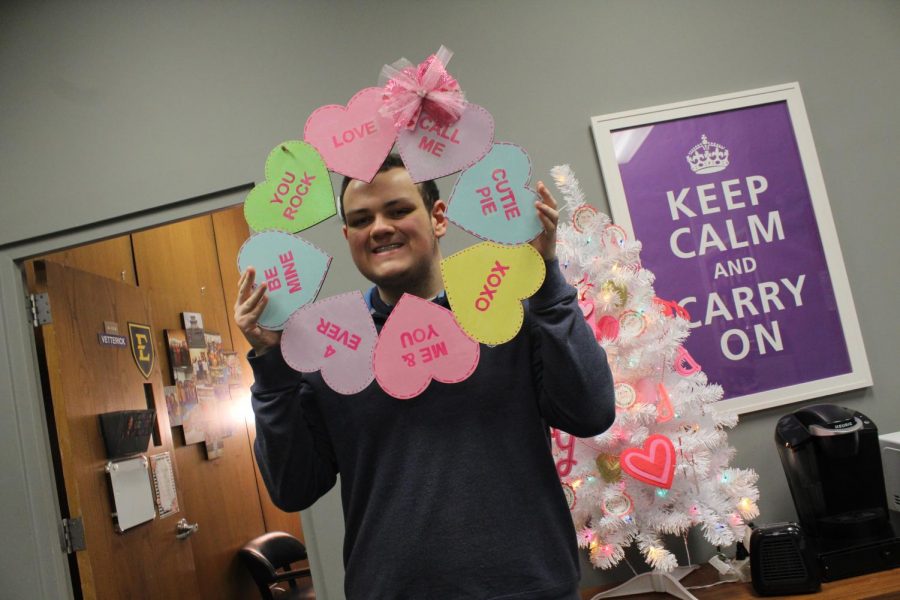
x=492 y=200
x=296 y=194
x=292 y=268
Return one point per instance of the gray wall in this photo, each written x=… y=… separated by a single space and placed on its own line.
x=114 y=116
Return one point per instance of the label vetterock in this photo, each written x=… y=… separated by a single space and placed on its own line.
x=108 y=339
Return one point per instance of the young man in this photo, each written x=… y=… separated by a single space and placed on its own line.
x=454 y=493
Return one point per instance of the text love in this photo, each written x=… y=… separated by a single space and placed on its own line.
x=349 y=136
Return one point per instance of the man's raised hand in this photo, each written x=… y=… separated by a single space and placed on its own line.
x=548 y=214
x=249 y=306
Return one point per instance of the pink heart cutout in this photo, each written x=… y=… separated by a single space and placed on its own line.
x=664 y=410
x=606 y=329
x=653 y=464
x=335 y=336
x=587 y=307
x=419 y=342
x=430 y=151
x=684 y=363
x=354 y=140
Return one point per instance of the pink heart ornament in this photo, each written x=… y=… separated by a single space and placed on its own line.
x=664 y=410
x=587 y=307
x=606 y=329
x=685 y=364
x=354 y=140
x=335 y=336
x=653 y=464
x=419 y=342
x=431 y=151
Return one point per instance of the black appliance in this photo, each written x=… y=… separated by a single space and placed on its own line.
x=782 y=562
x=832 y=460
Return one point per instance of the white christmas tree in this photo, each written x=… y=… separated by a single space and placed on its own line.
x=663 y=467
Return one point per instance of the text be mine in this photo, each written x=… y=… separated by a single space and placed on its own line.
x=291 y=277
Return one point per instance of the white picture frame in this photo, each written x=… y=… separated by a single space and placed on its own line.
x=632 y=165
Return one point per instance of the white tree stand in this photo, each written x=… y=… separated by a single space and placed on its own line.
x=668 y=583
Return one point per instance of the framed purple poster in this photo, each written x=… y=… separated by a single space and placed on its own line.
x=726 y=196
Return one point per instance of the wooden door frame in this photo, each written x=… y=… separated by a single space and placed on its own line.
x=35 y=566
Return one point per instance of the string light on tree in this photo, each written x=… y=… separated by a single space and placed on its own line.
x=663 y=467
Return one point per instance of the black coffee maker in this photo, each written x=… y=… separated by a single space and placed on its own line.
x=832 y=460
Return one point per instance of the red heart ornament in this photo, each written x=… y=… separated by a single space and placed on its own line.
x=421 y=341
x=606 y=329
x=653 y=464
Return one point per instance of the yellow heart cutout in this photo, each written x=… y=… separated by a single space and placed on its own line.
x=486 y=284
x=609 y=467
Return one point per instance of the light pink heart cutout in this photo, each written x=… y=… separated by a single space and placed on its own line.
x=335 y=336
x=419 y=342
x=653 y=464
x=355 y=140
x=587 y=307
x=430 y=151
x=684 y=363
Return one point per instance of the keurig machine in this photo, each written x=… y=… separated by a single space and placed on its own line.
x=832 y=459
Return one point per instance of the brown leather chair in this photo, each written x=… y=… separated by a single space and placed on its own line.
x=269 y=558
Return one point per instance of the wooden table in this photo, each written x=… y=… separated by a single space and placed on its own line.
x=884 y=585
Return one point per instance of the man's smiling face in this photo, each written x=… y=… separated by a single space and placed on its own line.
x=393 y=237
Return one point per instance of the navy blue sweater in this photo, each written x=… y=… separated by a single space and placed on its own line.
x=454 y=493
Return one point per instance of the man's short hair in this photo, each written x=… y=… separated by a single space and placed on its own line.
x=427 y=189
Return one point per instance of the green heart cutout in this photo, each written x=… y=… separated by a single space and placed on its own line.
x=296 y=194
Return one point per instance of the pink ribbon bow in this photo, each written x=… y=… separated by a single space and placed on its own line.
x=410 y=90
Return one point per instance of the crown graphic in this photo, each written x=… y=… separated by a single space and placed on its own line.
x=707 y=157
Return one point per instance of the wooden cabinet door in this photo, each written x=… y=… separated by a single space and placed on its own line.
x=110 y=258
x=85 y=379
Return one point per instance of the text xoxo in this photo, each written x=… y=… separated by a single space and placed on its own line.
x=494 y=279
